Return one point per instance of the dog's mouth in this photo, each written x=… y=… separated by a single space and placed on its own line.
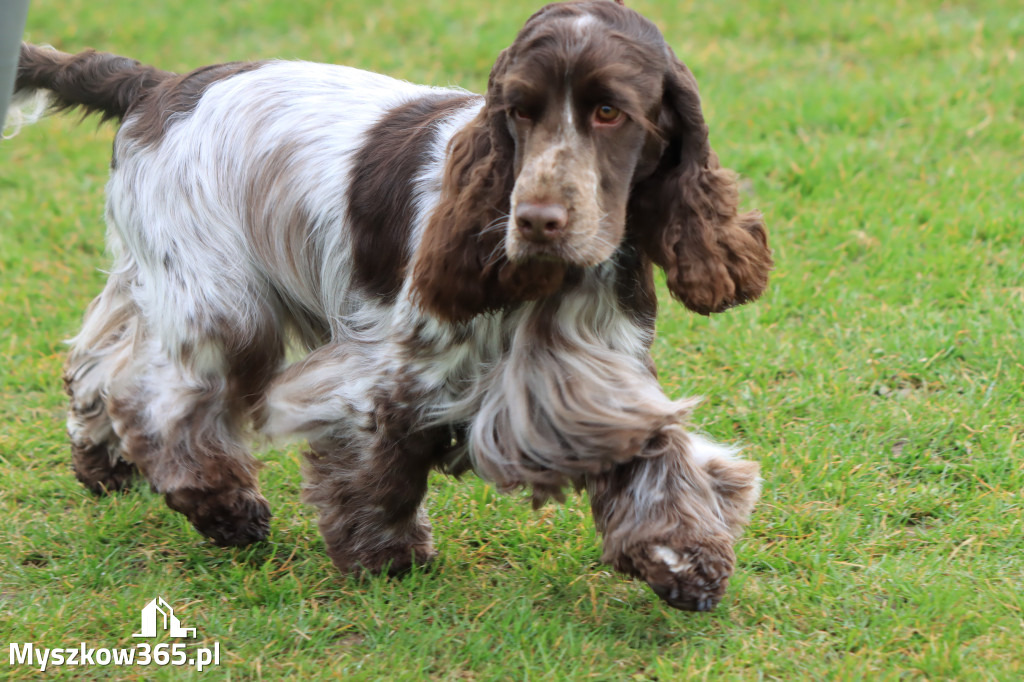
x=561 y=251
x=528 y=252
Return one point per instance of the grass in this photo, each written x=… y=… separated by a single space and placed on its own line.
x=880 y=382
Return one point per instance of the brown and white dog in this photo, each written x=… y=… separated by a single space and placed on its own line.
x=470 y=276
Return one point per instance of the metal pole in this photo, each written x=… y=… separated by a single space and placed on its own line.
x=12 y=25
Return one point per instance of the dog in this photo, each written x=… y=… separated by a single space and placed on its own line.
x=470 y=278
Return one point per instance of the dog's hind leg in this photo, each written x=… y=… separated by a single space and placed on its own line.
x=101 y=350
x=181 y=417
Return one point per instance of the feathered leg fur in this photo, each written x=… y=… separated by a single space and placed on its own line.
x=181 y=430
x=100 y=353
x=672 y=519
x=136 y=408
x=369 y=458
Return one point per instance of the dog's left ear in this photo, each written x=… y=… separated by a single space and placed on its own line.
x=460 y=269
x=685 y=213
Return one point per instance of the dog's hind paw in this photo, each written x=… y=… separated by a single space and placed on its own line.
x=230 y=518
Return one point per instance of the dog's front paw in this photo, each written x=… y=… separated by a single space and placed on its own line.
x=393 y=559
x=687 y=575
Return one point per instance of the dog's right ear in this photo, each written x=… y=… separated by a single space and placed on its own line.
x=460 y=269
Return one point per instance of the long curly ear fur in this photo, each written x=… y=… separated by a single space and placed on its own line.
x=460 y=269
x=685 y=213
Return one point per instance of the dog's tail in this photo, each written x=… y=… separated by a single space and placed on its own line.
x=49 y=81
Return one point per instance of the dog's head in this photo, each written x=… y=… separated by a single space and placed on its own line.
x=591 y=134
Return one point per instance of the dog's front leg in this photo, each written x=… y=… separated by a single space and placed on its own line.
x=669 y=503
x=369 y=494
x=369 y=457
x=672 y=517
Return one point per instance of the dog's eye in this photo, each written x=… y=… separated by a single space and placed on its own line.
x=607 y=115
x=521 y=115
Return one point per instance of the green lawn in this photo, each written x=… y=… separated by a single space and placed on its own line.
x=880 y=381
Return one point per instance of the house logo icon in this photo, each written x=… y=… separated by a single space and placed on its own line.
x=151 y=620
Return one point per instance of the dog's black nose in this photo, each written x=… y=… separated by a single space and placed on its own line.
x=541 y=222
